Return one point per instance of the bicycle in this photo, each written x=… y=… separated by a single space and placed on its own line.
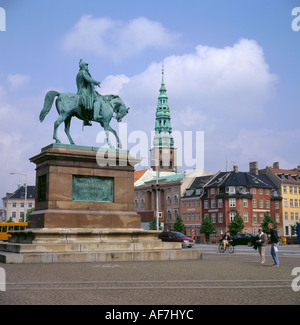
x=222 y=249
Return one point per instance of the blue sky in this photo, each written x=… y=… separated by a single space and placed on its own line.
x=231 y=70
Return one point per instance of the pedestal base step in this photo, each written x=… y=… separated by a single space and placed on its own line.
x=104 y=256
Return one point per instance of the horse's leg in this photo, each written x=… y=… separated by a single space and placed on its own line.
x=57 y=123
x=67 y=129
x=107 y=129
x=116 y=135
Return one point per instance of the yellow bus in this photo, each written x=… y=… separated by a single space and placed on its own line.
x=11 y=226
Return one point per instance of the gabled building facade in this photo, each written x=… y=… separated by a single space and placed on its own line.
x=288 y=182
x=14 y=203
x=252 y=194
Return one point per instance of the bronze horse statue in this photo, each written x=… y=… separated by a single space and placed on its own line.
x=67 y=105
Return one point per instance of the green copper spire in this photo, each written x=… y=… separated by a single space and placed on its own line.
x=163 y=129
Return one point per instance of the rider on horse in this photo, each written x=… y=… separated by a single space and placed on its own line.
x=88 y=96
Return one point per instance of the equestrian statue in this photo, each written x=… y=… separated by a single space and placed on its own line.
x=87 y=105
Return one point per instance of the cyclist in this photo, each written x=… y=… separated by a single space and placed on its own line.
x=226 y=239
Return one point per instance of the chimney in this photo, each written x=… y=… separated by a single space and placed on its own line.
x=276 y=165
x=235 y=169
x=253 y=167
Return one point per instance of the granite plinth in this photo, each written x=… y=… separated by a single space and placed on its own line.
x=57 y=204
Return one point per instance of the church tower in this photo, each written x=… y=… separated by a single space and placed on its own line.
x=163 y=153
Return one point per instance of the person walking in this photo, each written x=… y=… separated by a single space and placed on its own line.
x=261 y=245
x=274 y=242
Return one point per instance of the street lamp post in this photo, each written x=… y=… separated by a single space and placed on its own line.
x=25 y=199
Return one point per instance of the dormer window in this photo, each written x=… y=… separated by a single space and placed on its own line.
x=231 y=190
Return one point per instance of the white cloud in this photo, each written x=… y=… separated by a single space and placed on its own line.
x=113 y=84
x=17 y=80
x=116 y=39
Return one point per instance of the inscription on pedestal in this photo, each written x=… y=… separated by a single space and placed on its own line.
x=92 y=189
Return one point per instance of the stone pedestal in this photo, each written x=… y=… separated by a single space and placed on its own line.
x=75 y=190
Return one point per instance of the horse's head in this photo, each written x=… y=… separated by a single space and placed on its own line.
x=120 y=108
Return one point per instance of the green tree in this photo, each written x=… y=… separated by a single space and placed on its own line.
x=266 y=221
x=207 y=227
x=153 y=226
x=179 y=225
x=236 y=225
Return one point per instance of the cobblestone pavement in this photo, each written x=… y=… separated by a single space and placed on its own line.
x=216 y=279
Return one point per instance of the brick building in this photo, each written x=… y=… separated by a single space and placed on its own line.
x=251 y=194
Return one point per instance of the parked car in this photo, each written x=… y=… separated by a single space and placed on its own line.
x=244 y=239
x=175 y=236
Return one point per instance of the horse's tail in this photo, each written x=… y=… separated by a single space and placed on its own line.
x=49 y=99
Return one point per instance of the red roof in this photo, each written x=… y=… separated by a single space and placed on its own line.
x=285 y=173
x=138 y=174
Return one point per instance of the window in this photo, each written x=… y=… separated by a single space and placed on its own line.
x=205 y=204
x=169 y=215
x=286 y=216
x=291 y=189
x=169 y=200
x=267 y=204
x=254 y=218
x=245 y=203
x=220 y=217
x=232 y=202
x=231 y=216
x=267 y=191
x=292 y=215
x=277 y=219
x=220 y=203
x=14 y=204
x=213 y=217
x=231 y=190
x=212 y=191
x=183 y=204
x=213 y=203
x=198 y=216
x=245 y=216
x=291 y=203
x=136 y=203
x=261 y=191
x=254 y=203
x=296 y=216
x=261 y=217
x=183 y=216
x=284 y=189
x=296 y=203
x=176 y=199
x=254 y=191
x=285 y=202
x=193 y=216
x=276 y=205
x=142 y=203
x=261 y=204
